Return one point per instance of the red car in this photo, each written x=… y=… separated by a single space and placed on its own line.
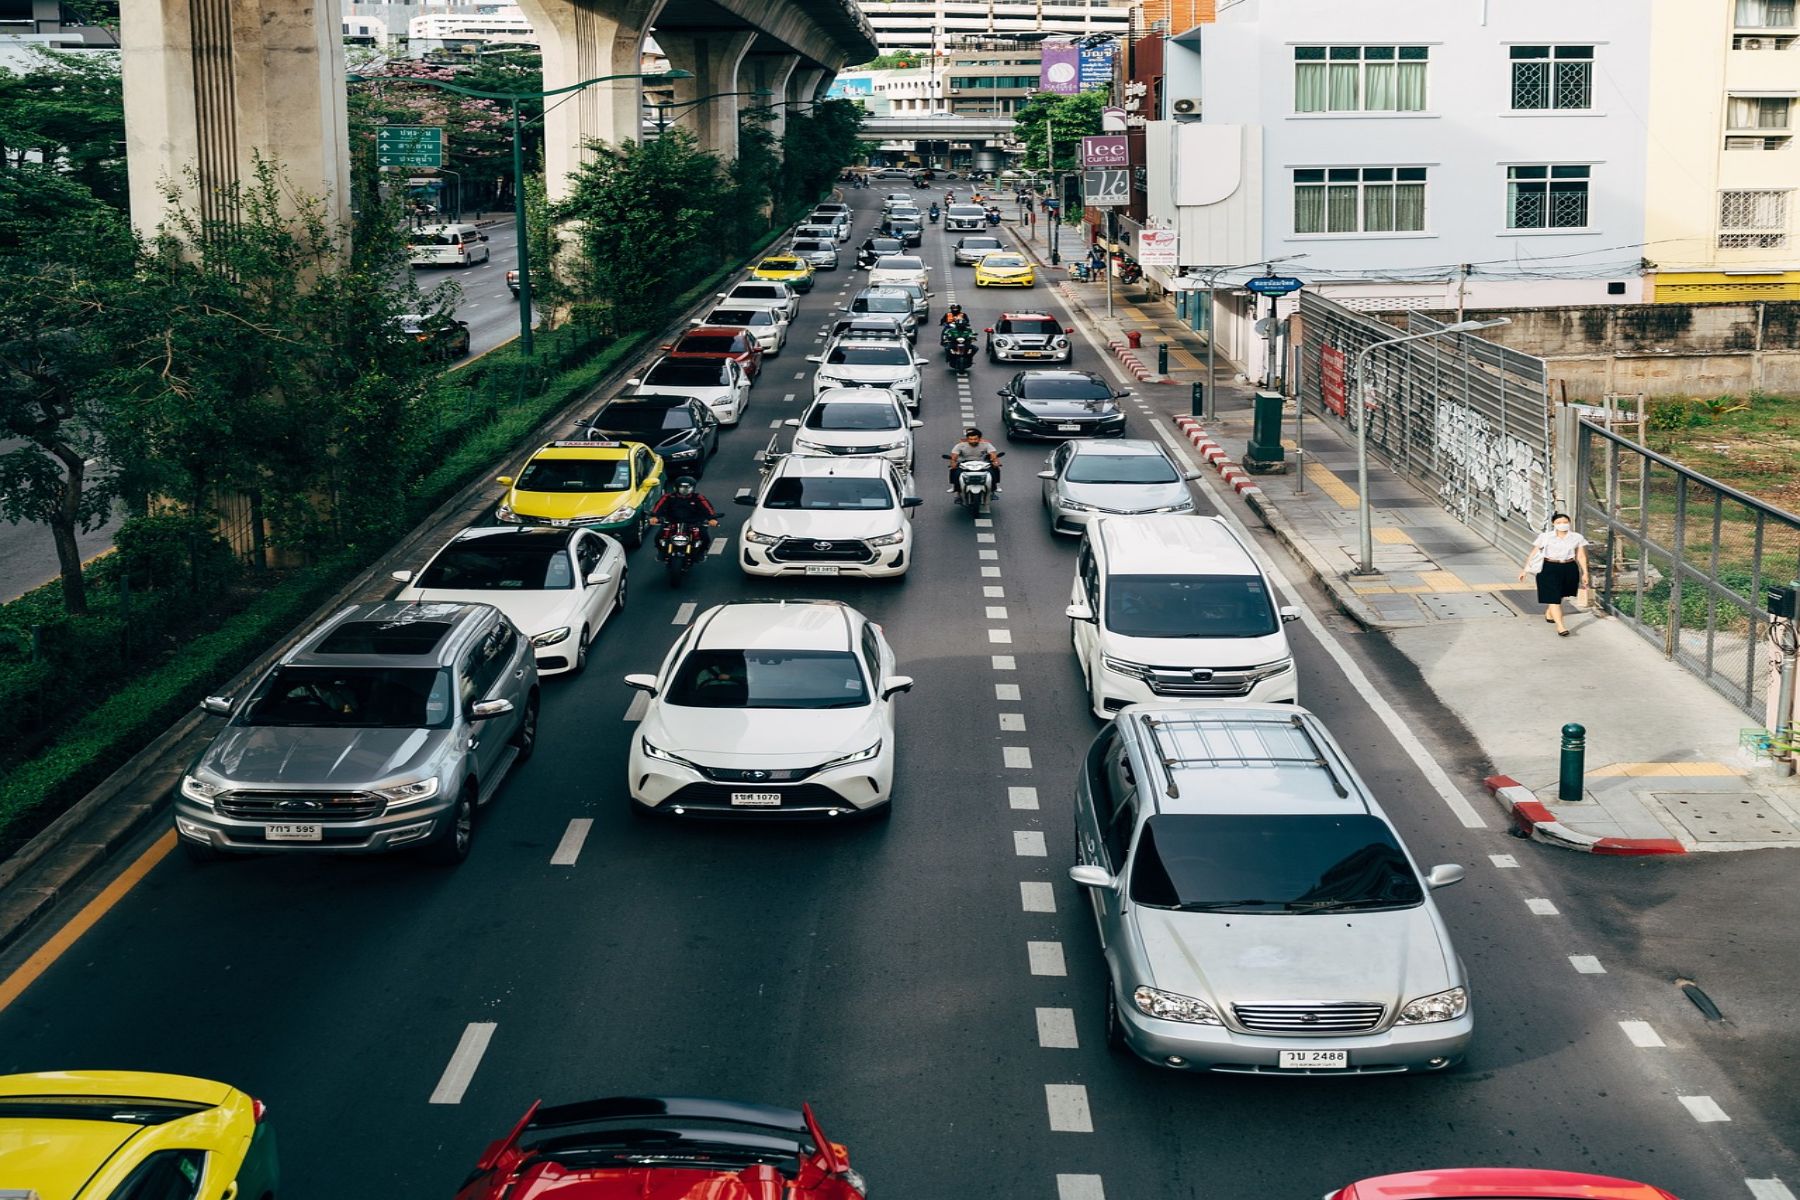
x=1483 y=1183
x=720 y=341
x=664 y=1148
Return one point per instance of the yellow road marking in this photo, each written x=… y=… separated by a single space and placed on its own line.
x=1331 y=485
x=59 y=943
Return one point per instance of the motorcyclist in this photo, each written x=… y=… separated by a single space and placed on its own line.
x=993 y=216
x=973 y=445
x=934 y=212
x=958 y=339
x=682 y=505
x=953 y=317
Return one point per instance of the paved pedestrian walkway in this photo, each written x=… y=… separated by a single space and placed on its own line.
x=1665 y=770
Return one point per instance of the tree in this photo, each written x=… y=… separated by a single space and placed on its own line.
x=477 y=133
x=1070 y=118
x=819 y=144
x=902 y=60
x=68 y=112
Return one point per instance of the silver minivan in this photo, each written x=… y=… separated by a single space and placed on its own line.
x=447 y=246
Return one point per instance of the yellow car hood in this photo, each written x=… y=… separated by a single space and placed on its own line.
x=566 y=506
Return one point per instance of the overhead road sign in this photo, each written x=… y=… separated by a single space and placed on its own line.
x=409 y=145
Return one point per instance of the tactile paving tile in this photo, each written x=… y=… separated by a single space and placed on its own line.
x=1728 y=817
x=1464 y=606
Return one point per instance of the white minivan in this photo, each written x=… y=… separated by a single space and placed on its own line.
x=448 y=246
x=1172 y=608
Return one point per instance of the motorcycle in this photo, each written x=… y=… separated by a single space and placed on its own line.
x=975 y=484
x=1130 y=272
x=960 y=354
x=933 y=214
x=678 y=548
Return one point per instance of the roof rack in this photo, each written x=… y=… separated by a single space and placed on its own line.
x=1239 y=740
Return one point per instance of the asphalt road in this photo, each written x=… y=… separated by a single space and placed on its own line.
x=880 y=969
x=28 y=552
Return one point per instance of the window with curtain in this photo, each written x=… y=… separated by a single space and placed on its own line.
x=1758 y=112
x=1547 y=197
x=1552 y=77
x=1765 y=14
x=1360 y=78
x=1359 y=200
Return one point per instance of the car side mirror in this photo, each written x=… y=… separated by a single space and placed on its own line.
x=1094 y=877
x=989 y=329
x=482 y=236
x=1068 y=329
x=917 y=361
x=815 y=358
x=693 y=321
x=720 y=295
x=488 y=709
x=1079 y=612
x=1443 y=875
x=218 y=706
x=1289 y=613
x=1004 y=394
x=792 y=422
x=401 y=576
x=666 y=346
x=1046 y=474
x=1189 y=476
x=1122 y=393
x=504 y=480
x=596 y=578
x=911 y=501
x=893 y=685
x=745 y=499
x=635 y=381
x=915 y=424
x=643 y=683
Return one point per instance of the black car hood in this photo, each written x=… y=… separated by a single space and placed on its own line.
x=1048 y=407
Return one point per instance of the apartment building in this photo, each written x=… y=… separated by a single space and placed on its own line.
x=991 y=77
x=927 y=26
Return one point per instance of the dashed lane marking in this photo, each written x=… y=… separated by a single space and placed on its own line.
x=1046 y=958
x=1704 y=1109
x=640 y=704
x=1029 y=843
x=1056 y=1029
x=720 y=545
x=1586 y=964
x=1005 y=662
x=569 y=849
x=1641 y=1035
x=1037 y=896
x=775 y=424
x=993 y=592
x=1006 y=691
x=988 y=555
x=684 y=612
x=1068 y=1105
x=1768 y=1189
x=799 y=374
x=1016 y=758
x=461 y=1070
x=1001 y=637
x=1022 y=797
x=996 y=612
x=986 y=539
x=984 y=522
x=990 y=572
x=1503 y=861
x=787 y=397
x=1080 y=1187
x=1541 y=907
x=1012 y=722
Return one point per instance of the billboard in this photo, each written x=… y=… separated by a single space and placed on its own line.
x=1111 y=151
x=1060 y=72
x=1096 y=68
x=1157 y=248
x=842 y=87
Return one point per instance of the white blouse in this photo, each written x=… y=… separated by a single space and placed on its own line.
x=1559 y=547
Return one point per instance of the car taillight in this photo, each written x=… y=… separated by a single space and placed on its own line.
x=257 y=1109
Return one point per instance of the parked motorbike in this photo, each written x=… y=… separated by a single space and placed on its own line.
x=1130 y=272
x=975 y=484
x=678 y=549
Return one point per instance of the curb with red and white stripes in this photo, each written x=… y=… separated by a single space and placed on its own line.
x=1239 y=479
x=1128 y=358
x=1536 y=819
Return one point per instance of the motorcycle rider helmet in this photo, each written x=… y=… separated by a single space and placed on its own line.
x=953 y=312
x=684 y=486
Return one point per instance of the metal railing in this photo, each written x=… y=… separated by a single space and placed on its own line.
x=1684 y=560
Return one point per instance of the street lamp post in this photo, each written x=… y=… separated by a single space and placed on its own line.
x=662 y=110
x=518 y=157
x=1365 y=563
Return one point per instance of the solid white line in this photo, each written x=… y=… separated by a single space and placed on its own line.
x=1029 y=843
x=1703 y=1109
x=1000 y=637
x=1022 y=797
x=1504 y=861
x=569 y=849
x=1012 y=722
x=1409 y=741
x=1079 y=1187
x=1068 y=1105
x=1037 y=897
x=684 y=612
x=1641 y=1035
x=1005 y=662
x=1768 y=1189
x=1017 y=758
x=1586 y=964
x=993 y=593
x=1046 y=958
x=1006 y=691
x=461 y=1070
x=1541 y=907
x=640 y=704
x=996 y=612
x=990 y=572
x=1056 y=1029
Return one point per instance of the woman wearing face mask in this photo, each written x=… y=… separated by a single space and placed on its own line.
x=1559 y=560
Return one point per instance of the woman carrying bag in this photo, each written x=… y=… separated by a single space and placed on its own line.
x=1559 y=560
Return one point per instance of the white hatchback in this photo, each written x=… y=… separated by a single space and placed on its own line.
x=828 y=516
x=769 y=709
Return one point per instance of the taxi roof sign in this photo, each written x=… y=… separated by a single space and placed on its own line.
x=584 y=445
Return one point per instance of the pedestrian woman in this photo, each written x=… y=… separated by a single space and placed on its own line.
x=1559 y=560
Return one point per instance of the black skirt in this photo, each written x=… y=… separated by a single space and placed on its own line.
x=1557 y=581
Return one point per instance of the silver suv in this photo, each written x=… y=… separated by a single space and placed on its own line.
x=388 y=726
x=1258 y=912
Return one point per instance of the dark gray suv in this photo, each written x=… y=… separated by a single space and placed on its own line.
x=386 y=727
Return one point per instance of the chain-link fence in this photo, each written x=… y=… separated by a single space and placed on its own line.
x=1466 y=419
x=1684 y=560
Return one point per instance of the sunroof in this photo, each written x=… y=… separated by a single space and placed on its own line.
x=384 y=637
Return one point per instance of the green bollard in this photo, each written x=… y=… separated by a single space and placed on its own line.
x=1574 y=756
x=1197 y=399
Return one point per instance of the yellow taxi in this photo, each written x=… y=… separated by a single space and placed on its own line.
x=797 y=273
x=604 y=485
x=1004 y=268
x=95 y=1135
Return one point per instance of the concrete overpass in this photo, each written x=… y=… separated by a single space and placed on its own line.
x=979 y=132
x=211 y=84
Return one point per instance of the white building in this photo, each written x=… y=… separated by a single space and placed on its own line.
x=925 y=25
x=1406 y=153
x=469 y=28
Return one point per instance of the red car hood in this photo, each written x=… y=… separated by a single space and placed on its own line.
x=1473 y=1183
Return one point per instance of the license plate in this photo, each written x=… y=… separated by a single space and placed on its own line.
x=825 y=569
x=1315 y=1060
x=293 y=833
x=756 y=799
x=1068 y=429
x=1031 y=353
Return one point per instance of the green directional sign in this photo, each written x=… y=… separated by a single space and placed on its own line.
x=409 y=145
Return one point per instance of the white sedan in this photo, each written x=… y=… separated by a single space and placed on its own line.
x=829 y=516
x=767 y=326
x=719 y=383
x=899 y=268
x=559 y=586
x=769 y=709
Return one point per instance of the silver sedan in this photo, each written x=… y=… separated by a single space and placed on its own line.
x=1083 y=480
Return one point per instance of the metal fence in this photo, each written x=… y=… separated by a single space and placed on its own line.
x=1467 y=419
x=1684 y=559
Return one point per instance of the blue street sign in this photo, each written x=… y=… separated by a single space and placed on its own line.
x=1274 y=285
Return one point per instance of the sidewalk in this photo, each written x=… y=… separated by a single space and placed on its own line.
x=1664 y=770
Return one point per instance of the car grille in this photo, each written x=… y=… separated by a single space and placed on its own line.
x=298 y=806
x=803 y=799
x=1345 y=1017
x=1184 y=681
x=733 y=775
x=822 y=550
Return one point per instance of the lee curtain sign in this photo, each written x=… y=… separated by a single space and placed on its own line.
x=1157 y=248
x=1109 y=151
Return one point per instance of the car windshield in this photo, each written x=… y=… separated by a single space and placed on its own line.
x=813 y=244
x=886 y=245
x=853 y=416
x=356 y=697
x=869 y=356
x=1029 y=325
x=1053 y=388
x=576 y=475
x=644 y=419
x=980 y=243
x=967 y=210
x=1271 y=864
x=1120 y=468
x=1002 y=260
x=782 y=264
x=1189 y=606
x=768 y=679
x=710 y=343
x=759 y=291
x=881 y=304
x=900 y=262
x=475 y=566
x=740 y=316
x=828 y=493
x=435 y=239
x=677 y=373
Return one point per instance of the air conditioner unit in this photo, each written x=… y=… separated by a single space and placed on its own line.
x=1186 y=108
x=1751 y=44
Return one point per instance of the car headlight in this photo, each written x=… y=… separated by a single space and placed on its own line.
x=409 y=793
x=623 y=513
x=550 y=636
x=1061 y=343
x=1078 y=506
x=863 y=755
x=805 y=443
x=894 y=445
x=1003 y=343
x=505 y=513
x=199 y=791
x=889 y=539
x=1184 y=506
x=1122 y=667
x=652 y=751
x=1439 y=1006
x=757 y=538
x=1264 y=671
x=1167 y=1006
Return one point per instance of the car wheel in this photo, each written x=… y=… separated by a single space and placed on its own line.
x=619 y=598
x=524 y=739
x=200 y=852
x=1115 y=1026
x=634 y=537
x=581 y=653
x=452 y=845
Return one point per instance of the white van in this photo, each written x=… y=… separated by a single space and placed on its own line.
x=448 y=246
x=1173 y=608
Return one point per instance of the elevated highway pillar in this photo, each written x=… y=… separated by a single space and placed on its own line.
x=587 y=39
x=714 y=59
x=769 y=73
x=809 y=83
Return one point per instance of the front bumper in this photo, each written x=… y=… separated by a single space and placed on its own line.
x=1025 y=426
x=888 y=562
x=676 y=790
x=412 y=825
x=1074 y=521
x=1116 y=691
x=1030 y=354
x=1023 y=281
x=1398 y=1050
